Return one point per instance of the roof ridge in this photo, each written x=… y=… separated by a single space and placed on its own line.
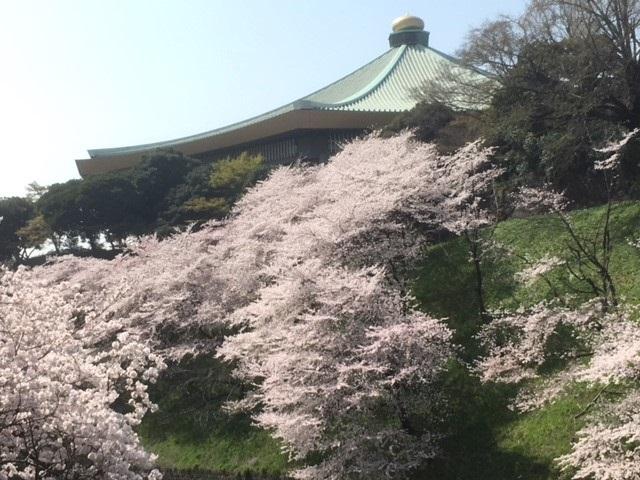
x=388 y=72
x=375 y=83
x=304 y=100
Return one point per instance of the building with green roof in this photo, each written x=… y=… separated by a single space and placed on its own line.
x=314 y=126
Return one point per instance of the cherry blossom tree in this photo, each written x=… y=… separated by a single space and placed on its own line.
x=589 y=255
x=604 y=351
x=598 y=343
x=346 y=371
x=608 y=448
x=343 y=366
x=303 y=288
x=61 y=372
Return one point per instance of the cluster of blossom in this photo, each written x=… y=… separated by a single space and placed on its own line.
x=340 y=361
x=464 y=180
x=541 y=200
x=538 y=269
x=58 y=384
x=610 y=447
x=610 y=340
x=615 y=348
x=614 y=149
x=518 y=345
x=299 y=288
x=155 y=292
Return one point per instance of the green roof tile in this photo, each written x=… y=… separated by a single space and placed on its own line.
x=394 y=92
x=384 y=85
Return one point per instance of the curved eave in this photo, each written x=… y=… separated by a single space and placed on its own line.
x=288 y=121
x=367 y=97
x=177 y=143
x=374 y=72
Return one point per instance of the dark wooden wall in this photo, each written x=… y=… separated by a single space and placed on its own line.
x=306 y=145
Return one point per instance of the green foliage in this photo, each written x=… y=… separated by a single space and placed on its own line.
x=435 y=122
x=35 y=233
x=35 y=191
x=234 y=175
x=59 y=207
x=120 y=204
x=157 y=179
x=164 y=192
x=209 y=191
x=549 y=114
x=107 y=204
x=207 y=207
x=427 y=119
x=112 y=205
x=188 y=201
x=15 y=213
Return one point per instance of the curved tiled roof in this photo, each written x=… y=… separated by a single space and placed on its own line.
x=395 y=91
x=384 y=85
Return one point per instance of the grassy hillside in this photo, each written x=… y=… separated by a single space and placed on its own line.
x=487 y=440
x=445 y=279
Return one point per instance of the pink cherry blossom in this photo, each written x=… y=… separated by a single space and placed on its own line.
x=303 y=288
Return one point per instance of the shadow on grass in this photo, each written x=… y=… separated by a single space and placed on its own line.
x=190 y=396
x=445 y=286
x=191 y=430
x=472 y=449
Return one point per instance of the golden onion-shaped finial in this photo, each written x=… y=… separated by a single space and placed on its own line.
x=407 y=22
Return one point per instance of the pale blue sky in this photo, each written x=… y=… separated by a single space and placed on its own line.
x=79 y=74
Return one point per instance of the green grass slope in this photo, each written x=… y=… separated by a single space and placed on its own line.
x=488 y=440
x=191 y=431
x=241 y=451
